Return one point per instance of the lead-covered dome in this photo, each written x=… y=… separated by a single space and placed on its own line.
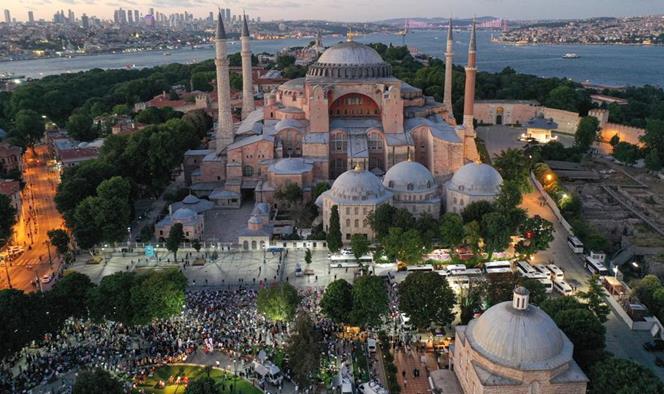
x=358 y=187
x=524 y=338
x=409 y=176
x=350 y=60
x=476 y=179
x=291 y=165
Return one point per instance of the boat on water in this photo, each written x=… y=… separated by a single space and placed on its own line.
x=571 y=56
x=167 y=54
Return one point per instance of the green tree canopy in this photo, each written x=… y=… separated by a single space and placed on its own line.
x=79 y=126
x=537 y=233
x=158 y=295
x=60 y=239
x=304 y=350
x=427 y=299
x=451 y=229
x=370 y=301
x=68 y=296
x=476 y=210
x=7 y=219
x=359 y=244
x=289 y=193
x=334 y=241
x=514 y=167
x=594 y=298
x=496 y=232
x=405 y=246
x=28 y=128
x=619 y=376
x=278 y=302
x=586 y=132
x=175 y=238
x=337 y=301
x=97 y=381
x=202 y=385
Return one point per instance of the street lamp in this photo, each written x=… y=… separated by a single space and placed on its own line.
x=128 y=236
x=615 y=272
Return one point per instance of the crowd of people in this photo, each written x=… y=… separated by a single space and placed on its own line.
x=222 y=320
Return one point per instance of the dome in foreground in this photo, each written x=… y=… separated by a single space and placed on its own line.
x=350 y=60
x=517 y=335
x=358 y=186
x=477 y=179
x=408 y=176
x=191 y=199
x=184 y=214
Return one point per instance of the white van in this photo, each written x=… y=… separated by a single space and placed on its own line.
x=371 y=345
x=563 y=288
x=268 y=371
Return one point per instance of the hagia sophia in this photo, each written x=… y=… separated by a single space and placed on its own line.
x=351 y=123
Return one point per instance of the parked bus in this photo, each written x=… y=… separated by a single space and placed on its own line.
x=595 y=267
x=575 y=244
x=498 y=267
x=423 y=267
x=556 y=272
x=524 y=268
x=563 y=288
x=349 y=261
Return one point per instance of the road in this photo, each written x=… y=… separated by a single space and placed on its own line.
x=38 y=215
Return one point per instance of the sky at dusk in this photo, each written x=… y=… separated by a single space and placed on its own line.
x=348 y=10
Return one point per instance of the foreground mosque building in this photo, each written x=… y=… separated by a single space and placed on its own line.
x=349 y=112
x=515 y=347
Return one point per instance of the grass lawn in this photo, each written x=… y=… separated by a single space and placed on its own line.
x=193 y=372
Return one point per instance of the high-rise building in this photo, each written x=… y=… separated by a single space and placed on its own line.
x=85 y=21
x=8 y=17
x=31 y=17
x=130 y=17
x=228 y=14
x=71 y=18
x=151 y=11
x=137 y=16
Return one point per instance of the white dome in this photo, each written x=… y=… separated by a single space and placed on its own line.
x=408 y=176
x=523 y=339
x=476 y=179
x=191 y=199
x=184 y=214
x=357 y=187
x=350 y=53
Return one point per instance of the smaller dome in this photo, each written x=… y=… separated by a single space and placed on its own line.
x=409 y=176
x=191 y=199
x=293 y=165
x=184 y=214
x=476 y=179
x=255 y=220
x=357 y=186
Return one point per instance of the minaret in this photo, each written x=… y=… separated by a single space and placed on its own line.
x=247 y=82
x=225 y=120
x=471 y=72
x=447 y=94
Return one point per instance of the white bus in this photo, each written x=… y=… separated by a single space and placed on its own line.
x=349 y=261
x=563 y=288
x=524 y=268
x=556 y=272
x=595 y=267
x=423 y=267
x=575 y=244
x=498 y=267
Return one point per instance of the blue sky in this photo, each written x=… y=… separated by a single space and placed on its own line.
x=350 y=10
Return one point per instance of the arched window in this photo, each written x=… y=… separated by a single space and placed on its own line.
x=357 y=223
x=410 y=187
x=390 y=184
x=428 y=184
x=347 y=222
x=247 y=171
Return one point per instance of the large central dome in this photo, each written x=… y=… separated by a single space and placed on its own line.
x=350 y=60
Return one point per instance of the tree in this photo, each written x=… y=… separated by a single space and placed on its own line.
x=472 y=235
x=337 y=301
x=202 y=385
x=405 y=246
x=495 y=230
x=111 y=300
x=304 y=349
x=196 y=244
x=370 y=301
x=85 y=222
x=69 y=296
x=653 y=161
x=7 y=219
x=175 y=238
x=157 y=295
x=307 y=256
x=359 y=244
x=97 y=381
x=626 y=152
x=594 y=298
x=586 y=333
x=615 y=375
x=428 y=228
x=476 y=210
x=60 y=239
x=289 y=193
x=334 y=241
x=28 y=128
x=514 y=167
x=586 y=132
x=320 y=188
x=509 y=198
x=537 y=234
x=451 y=230
x=381 y=219
x=278 y=302
x=427 y=299
x=79 y=126
x=614 y=140
x=654 y=135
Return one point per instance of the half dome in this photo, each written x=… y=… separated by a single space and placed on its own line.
x=409 y=176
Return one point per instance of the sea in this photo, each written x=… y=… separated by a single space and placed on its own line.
x=611 y=65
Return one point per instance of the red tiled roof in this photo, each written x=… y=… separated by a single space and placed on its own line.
x=78 y=153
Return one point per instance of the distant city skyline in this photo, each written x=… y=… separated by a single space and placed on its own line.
x=346 y=10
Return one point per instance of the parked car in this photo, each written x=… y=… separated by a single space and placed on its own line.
x=655 y=346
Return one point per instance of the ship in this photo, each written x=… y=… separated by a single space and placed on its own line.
x=571 y=56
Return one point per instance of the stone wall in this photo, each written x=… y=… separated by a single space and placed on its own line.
x=567 y=121
x=625 y=133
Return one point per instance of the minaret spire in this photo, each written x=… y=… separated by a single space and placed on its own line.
x=449 y=55
x=248 y=105
x=224 y=119
x=471 y=72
